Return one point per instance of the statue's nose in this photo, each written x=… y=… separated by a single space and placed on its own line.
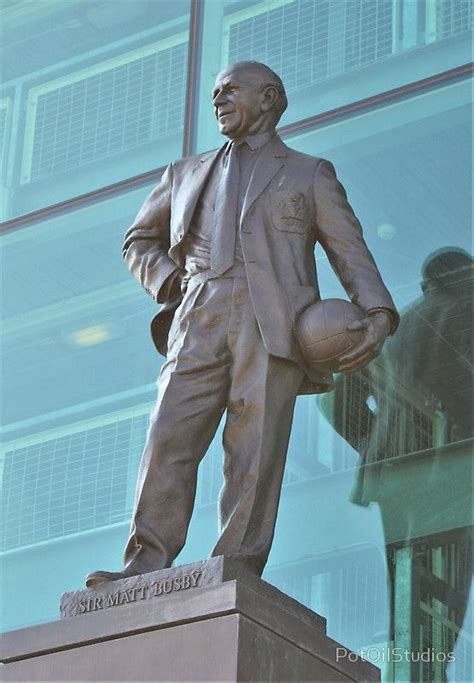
x=220 y=98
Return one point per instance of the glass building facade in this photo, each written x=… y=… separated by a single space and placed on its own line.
x=375 y=522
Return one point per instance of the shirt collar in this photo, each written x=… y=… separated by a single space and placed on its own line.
x=255 y=141
x=259 y=139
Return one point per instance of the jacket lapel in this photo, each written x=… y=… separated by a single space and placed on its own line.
x=267 y=165
x=269 y=162
x=189 y=193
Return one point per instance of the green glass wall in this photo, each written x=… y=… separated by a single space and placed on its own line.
x=376 y=511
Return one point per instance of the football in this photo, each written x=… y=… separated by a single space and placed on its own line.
x=322 y=334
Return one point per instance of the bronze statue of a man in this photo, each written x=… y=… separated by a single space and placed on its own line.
x=226 y=244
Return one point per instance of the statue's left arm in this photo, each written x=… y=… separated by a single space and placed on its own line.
x=340 y=234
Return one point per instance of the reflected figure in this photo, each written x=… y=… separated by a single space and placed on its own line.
x=409 y=415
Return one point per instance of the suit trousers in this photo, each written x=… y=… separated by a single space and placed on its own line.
x=216 y=363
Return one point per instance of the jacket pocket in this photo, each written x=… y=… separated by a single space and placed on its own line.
x=290 y=211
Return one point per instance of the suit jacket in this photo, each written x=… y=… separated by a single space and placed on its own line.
x=293 y=201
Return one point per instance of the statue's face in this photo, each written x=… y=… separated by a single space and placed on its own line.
x=239 y=104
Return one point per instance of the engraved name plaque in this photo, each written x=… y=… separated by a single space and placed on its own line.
x=154 y=585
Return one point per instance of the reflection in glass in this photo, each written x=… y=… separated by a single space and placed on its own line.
x=410 y=416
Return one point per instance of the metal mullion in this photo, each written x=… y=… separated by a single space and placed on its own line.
x=193 y=76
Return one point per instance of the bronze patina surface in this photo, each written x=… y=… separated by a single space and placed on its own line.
x=226 y=244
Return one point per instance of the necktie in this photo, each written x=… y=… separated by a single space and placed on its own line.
x=225 y=213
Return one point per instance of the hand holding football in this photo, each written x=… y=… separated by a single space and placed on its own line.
x=322 y=334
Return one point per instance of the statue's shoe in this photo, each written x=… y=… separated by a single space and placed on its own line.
x=98 y=578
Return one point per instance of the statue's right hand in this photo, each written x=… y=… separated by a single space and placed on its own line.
x=172 y=286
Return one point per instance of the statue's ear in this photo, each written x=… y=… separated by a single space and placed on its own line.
x=270 y=95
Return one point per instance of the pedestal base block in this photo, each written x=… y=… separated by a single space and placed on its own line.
x=235 y=628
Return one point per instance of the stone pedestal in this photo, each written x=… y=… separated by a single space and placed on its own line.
x=209 y=621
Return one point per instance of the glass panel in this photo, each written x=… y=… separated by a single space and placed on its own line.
x=393 y=443
x=332 y=52
x=93 y=92
x=78 y=381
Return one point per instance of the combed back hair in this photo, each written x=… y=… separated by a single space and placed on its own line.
x=269 y=78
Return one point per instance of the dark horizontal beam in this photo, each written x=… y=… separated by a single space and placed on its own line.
x=381 y=99
x=367 y=104
x=86 y=198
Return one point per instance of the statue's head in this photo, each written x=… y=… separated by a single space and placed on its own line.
x=248 y=98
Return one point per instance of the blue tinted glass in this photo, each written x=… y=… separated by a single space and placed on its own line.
x=332 y=52
x=92 y=93
x=393 y=443
x=77 y=390
x=374 y=530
